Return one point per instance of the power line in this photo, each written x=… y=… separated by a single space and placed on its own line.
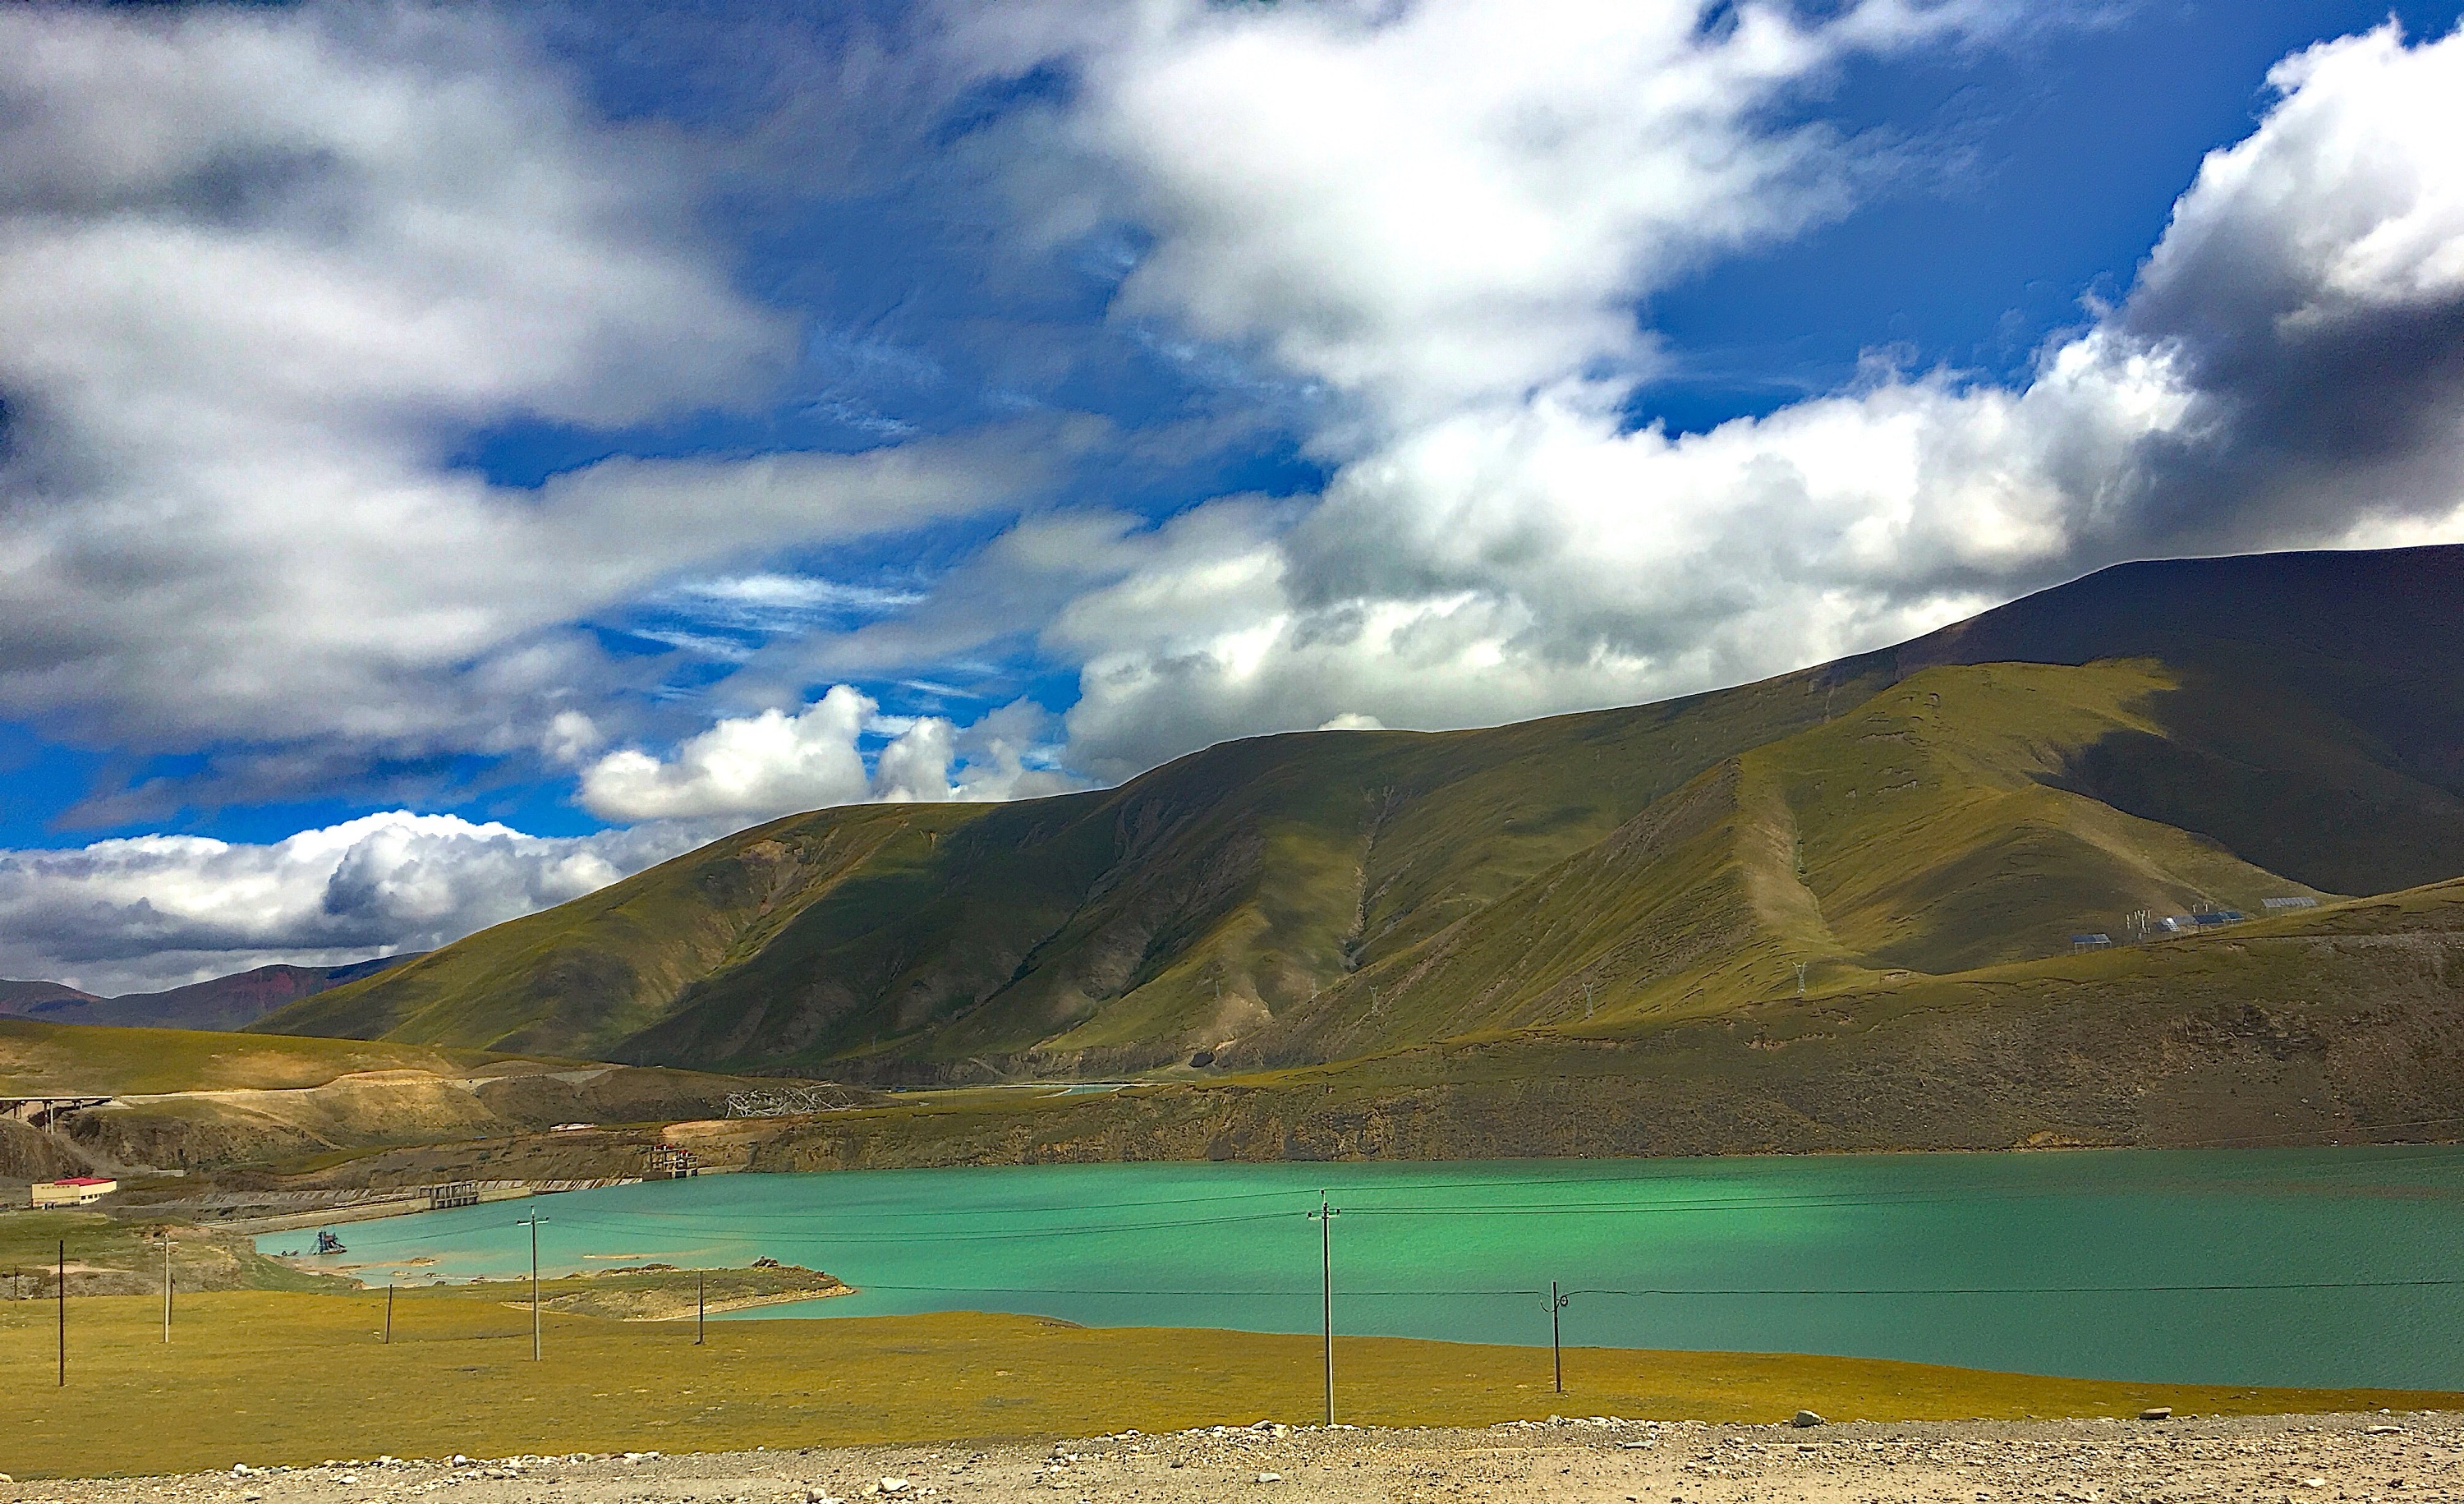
x=1673 y=1291
x=2051 y=1290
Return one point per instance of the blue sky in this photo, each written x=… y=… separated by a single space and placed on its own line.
x=688 y=413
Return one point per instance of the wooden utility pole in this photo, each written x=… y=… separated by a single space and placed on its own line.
x=701 y=1303
x=533 y=1222
x=167 y=1286
x=388 y=1331
x=1325 y=1216
x=1556 y=1353
x=64 y=1313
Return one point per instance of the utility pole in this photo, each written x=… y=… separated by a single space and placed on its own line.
x=388 y=1331
x=1324 y=1217
x=533 y=1222
x=701 y=1303
x=64 y=1313
x=1557 y=1353
x=167 y=1287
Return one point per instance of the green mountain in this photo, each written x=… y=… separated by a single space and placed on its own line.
x=2157 y=736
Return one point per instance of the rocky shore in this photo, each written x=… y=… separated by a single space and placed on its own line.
x=2377 y=1457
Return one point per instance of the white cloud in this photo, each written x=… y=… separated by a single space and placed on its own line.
x=915 y=767
x=2289 y=369
x=1451 y=200
x=752 y=767
x=571 y=737
x=262 y=269
x=746 y=768
x=161 y=911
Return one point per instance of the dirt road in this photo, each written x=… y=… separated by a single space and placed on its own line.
x=2377 y=1457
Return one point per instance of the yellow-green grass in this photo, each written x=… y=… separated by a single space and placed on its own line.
x=118 y=1254
x=268 y=1377
x=80 y=1059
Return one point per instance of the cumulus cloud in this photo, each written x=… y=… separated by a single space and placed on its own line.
x=1450 y=200
x=751 y=767
x=160 y=911
x=2288 y=369
x=262 y=271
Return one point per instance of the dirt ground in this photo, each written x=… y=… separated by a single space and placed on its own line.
x=2374 y=1457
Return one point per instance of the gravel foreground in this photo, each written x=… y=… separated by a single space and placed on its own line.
x=2383 y=1456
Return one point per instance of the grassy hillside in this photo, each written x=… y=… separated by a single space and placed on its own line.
x=2162 y=737
x=196 y=1100
x=77 y=1059
x=1916 y=833
x=2344 y=1024
x=1192 y=902
x=586 y=974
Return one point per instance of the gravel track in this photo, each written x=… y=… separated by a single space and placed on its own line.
x=2379 y=1457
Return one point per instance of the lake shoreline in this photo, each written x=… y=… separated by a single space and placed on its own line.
x=2245 y=1265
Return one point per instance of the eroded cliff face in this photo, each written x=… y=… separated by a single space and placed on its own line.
x=30 y=1154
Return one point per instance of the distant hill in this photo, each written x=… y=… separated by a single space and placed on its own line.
x=2160 y=736
x=213 y=1100
x=19 y=997
x=220 y=1002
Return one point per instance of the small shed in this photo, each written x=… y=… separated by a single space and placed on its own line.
x=2098 y=941
x=78 y=1190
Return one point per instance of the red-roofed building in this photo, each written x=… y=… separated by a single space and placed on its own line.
x=78 y=1190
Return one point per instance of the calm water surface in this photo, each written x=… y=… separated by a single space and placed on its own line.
x=2116 y=1264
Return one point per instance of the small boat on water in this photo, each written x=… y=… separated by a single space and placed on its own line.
x=327 y=1243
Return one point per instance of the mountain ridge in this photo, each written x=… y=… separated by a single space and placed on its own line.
x=217 y=1003
x=2170 y=735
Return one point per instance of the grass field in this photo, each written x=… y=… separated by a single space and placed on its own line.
x=267 y=1377
x=37 y=1059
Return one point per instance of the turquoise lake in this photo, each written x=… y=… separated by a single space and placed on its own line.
x=2336 y=1267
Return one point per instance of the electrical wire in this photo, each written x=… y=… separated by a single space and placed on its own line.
x=1455 y=1292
